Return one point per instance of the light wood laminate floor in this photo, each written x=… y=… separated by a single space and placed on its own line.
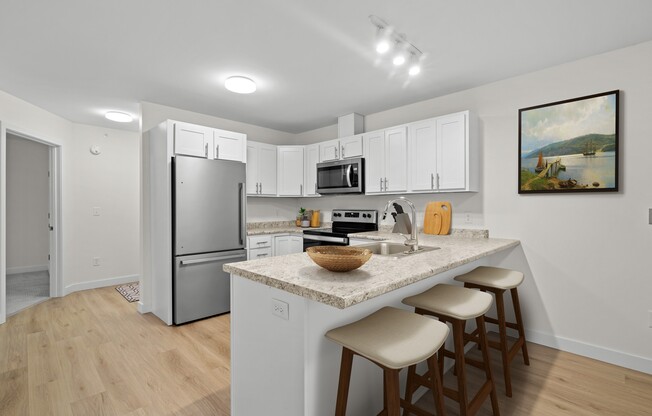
x=92 y=353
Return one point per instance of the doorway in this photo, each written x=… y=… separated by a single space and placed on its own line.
x=30 y=217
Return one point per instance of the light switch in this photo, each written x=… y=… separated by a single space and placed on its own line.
x=96 y=211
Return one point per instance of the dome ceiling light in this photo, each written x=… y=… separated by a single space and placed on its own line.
x=119 y=117
x=240 y=85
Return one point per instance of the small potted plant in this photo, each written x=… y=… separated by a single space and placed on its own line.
x=302 y=212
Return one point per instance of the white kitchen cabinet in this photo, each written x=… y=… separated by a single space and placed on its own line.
x=344 y=148
x=311 y=158
x=228 y=145
x=386 y=161
x=206 y=142
x=287 y=244
x=290 y=170
x=259 y=253
x=439 y=157
x=261 y=169
x=192 y=140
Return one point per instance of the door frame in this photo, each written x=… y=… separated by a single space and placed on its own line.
x=56 y=236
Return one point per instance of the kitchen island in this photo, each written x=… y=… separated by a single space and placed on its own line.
x=281 y=364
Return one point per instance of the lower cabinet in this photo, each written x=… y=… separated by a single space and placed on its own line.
x=287 y=244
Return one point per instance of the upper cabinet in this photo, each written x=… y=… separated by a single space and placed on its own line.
x=261 y=169
x=206 y=142
x=386 y=161
x=440 y=155
x=311 y=158
x=344 y=148
x=290 y=170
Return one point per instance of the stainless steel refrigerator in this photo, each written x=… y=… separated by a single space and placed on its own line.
x=209 y=203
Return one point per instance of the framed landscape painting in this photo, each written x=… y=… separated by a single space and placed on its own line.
x=569 y=146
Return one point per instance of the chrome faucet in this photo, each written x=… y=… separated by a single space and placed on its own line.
x=413 y=241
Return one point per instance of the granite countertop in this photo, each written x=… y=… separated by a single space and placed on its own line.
x=297 y=274
x=277 y=227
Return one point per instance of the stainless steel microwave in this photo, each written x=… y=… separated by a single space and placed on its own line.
x=341 y=177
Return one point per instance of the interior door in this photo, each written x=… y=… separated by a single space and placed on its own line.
x=209 y=205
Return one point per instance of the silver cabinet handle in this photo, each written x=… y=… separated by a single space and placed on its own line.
x=381 y=184
x=343 y=153
x=300 y=189
x=205 y=149
x=256 y=188
x=261 y=242
x=337 y=153
x=262 y=254
x=261 y=187
x=437 y=181
x=432 y=181
x=385 y=184
x=217 y=151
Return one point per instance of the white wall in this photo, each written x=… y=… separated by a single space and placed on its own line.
x=108 y=181
x=28 y=240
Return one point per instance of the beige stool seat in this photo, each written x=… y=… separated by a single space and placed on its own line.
x=456 y=305
x=454 y=301
x=498 y=281
x=392 y=337
x=495 y=277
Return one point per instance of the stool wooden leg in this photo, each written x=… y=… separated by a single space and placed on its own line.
x=458 y=340
x=519 y=324
x=436 y=386
x=345 y=379
x=504 y=348
x=392 y=391
x=482 y=332
x=410 y=387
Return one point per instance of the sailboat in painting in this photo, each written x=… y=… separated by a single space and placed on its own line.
x=540 y=164
x=589 y=150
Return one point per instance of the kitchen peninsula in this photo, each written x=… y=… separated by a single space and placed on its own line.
x=281 y=364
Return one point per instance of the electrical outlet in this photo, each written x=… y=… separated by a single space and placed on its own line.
x=280 y=309
x=96 y=211
x=96 y=261
x=467 y=218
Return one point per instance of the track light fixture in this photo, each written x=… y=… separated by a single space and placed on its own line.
x=388 y=39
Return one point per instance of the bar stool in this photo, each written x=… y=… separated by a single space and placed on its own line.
x=393 y=339
x=457 y=305
x=497 y=281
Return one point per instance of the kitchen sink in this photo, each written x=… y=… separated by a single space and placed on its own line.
x=394 y=250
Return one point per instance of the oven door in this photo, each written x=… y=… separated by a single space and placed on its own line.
x=323 y=240
x=341 y=177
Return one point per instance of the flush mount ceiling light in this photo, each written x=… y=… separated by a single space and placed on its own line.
x=387 y=38
x=118 y=117
x=240 y=85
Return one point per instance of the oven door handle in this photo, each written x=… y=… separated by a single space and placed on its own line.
x=342 y=240
x=349 y=170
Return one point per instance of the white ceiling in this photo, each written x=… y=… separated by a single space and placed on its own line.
x=313 y=60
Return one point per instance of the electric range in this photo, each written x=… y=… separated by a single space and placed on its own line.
x=345 y=222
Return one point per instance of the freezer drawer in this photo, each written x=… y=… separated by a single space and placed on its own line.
x=201 y=287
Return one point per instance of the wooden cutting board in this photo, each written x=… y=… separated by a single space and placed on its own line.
x=437 y=219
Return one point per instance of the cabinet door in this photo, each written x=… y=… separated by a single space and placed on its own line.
x=296 y=244
x=290 y=170
x=374 y=149
x=311 y=158
x=228 y=145
x=451 y=152
x=423 y=151
x=329 y=151
x=351 y=147
x=252 y=168
x=282 y=245
x=192 y=140
x=259 y=253
x=267 y=169
x=396 y=152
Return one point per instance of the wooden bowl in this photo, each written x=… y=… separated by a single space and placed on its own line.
x=339 y=258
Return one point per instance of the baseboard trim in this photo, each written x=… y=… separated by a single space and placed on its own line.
x=619 y=358
x=94 y=284
x=27 y=269
x=142 y=308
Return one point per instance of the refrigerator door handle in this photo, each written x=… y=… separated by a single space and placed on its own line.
x=243 y=214
x=211 y=259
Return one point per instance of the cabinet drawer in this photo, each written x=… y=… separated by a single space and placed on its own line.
x=262 y=241
x=260 y=253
